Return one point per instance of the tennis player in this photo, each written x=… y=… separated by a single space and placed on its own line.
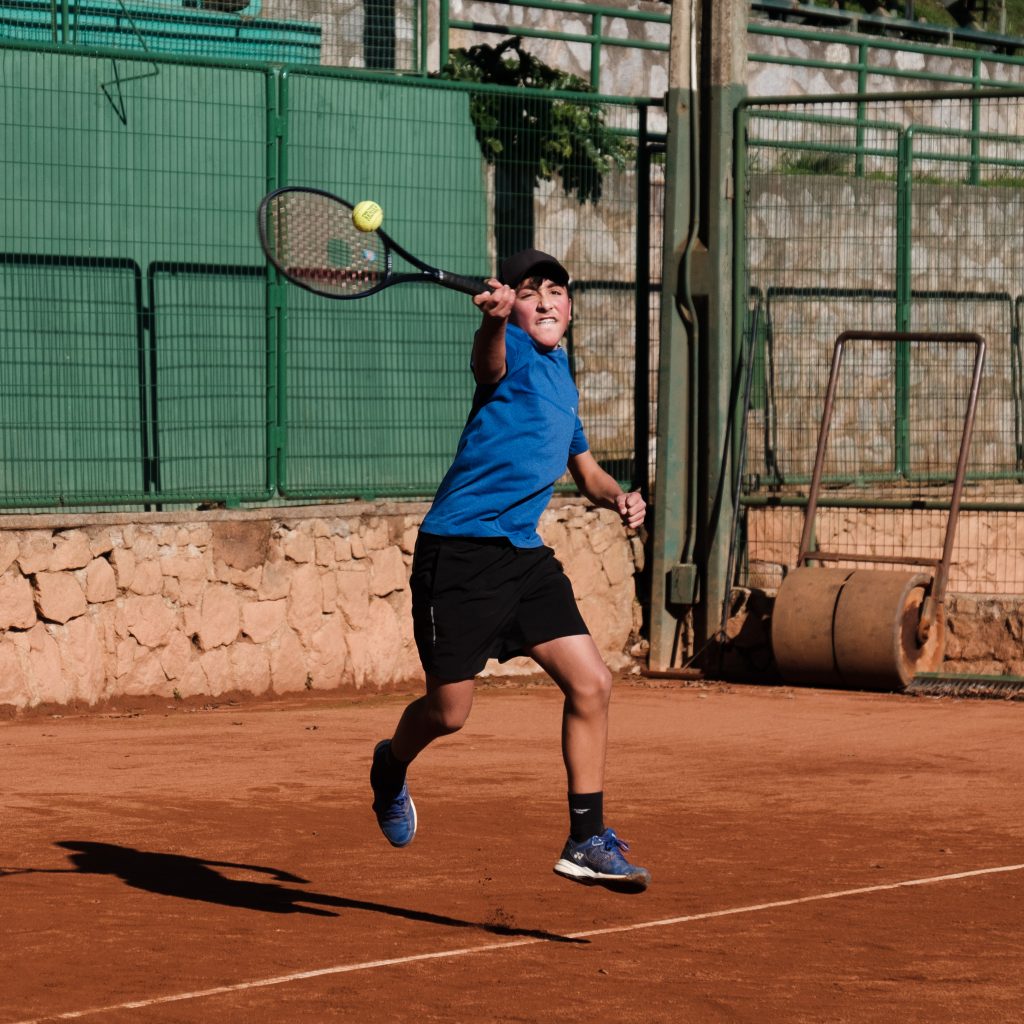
x=484 y=584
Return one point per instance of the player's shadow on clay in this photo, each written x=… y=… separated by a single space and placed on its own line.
x=192 y=878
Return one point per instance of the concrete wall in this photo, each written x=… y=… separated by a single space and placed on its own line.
x=274 y=600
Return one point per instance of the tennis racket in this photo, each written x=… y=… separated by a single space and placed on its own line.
x=309 y=236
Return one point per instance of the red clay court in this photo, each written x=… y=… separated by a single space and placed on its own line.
x=817 y=857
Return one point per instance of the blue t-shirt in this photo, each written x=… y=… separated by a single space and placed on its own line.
x=515 y=445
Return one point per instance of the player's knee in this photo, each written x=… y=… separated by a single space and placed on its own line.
x=449 y=718
x=591 y=692
x=450 y=723
x=603 y=686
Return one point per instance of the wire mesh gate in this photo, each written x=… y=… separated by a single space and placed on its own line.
x=882 y=213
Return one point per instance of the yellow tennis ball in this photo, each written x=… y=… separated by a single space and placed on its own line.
x=367 y=215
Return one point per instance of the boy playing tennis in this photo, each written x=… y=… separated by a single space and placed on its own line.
x=483 y=583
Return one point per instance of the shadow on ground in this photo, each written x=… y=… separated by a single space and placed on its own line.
x=193 y=878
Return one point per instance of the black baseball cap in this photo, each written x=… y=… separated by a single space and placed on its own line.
x=531 y=263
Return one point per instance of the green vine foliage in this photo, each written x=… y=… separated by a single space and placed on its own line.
x=538 y=137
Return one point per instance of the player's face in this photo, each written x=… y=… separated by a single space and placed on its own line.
x=542 y=309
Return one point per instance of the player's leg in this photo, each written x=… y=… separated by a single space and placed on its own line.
x=459 y=602
x=557 y=638
x=441 y=711
x=576 y=665
x=593 y=854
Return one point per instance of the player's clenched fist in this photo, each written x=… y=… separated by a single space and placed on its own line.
x=632 y=508
x=498 y=302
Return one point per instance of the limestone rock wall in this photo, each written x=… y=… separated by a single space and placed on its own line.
x=282 y=600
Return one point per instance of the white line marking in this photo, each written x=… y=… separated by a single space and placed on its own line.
x=784 y=903
x=370 y=965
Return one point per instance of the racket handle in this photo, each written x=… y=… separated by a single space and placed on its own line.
x=458 y=283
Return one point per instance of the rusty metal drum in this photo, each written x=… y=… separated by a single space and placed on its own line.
x=875 y=637
x=802 y=623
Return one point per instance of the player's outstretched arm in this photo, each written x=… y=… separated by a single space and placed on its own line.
x=604 y=491
x=489 y=341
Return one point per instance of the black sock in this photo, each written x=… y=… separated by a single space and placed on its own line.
x=387 y=773
x=586 y=815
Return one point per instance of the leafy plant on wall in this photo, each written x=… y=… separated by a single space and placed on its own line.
x=530 y=138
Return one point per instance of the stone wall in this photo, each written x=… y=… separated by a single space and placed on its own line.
x=281 y=600
x=774 y=79
x=624 y=70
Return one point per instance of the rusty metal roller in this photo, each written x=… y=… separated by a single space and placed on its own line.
x=802 y=623
x=875 y=632
x=868 y=629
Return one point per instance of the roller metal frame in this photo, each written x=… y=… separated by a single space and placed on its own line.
x=940 y=567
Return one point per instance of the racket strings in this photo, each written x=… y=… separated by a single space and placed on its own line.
x=314 y=242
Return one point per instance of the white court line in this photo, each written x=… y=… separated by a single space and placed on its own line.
x=369 y=965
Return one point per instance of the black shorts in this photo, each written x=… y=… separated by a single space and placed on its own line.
x=475 y=598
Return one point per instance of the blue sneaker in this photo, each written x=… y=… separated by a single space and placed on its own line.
x=599 y=861
x=396 y=814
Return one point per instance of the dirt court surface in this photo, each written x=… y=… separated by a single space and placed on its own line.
x=817 y=857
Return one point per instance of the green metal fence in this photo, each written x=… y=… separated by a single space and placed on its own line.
x=146 y=355
x=371 y=34
x=850 y=62
x=591 y=28
x=898 y=212
x=113 y=202
x=901 y=21
x=616 y=48
x=375 y=391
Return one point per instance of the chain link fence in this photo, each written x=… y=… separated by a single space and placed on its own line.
x=889 y=214
x=149 y=357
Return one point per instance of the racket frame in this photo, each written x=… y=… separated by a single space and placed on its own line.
x=426 y=274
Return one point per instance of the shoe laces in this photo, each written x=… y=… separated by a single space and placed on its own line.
x=610 y=841
x=398 y=807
